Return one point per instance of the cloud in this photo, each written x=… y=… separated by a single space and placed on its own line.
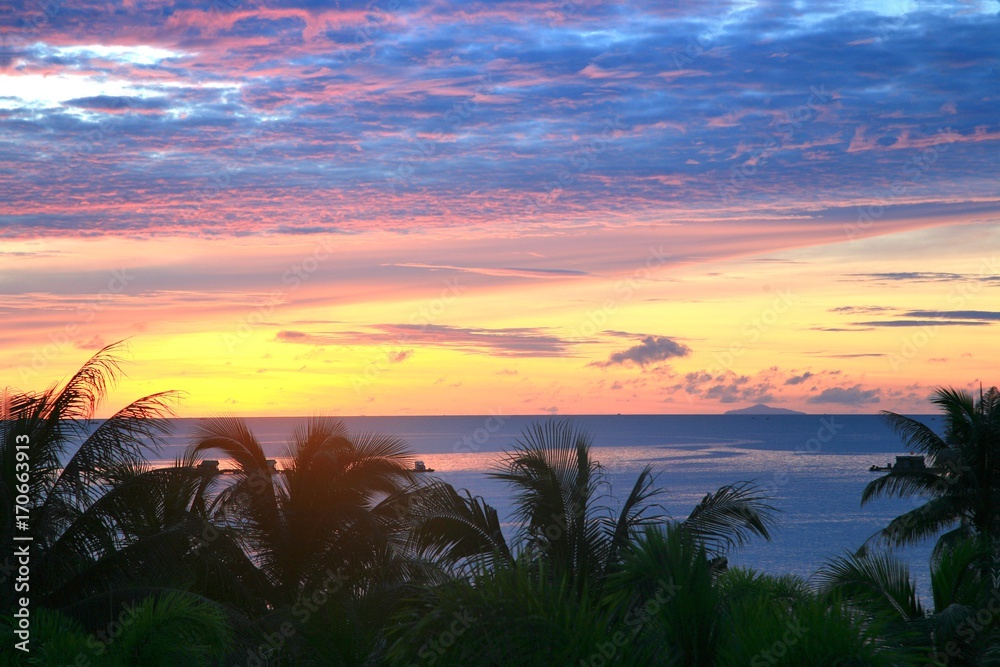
x=799 y=379
x=916 y=318
x=650 y=350
x=734 y=392
x=925 y=277
x=921 y=323
x=509 y=342
x=728 y=387
x=847 y=396
x=294 y=336
x=856 y=355
x=860 y=309
x=489 y=118
x=399 y=357
x=110 y=104
x=501 y=272
x=983 y=315
x=95 y=343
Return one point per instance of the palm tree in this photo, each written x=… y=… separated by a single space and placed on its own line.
x=960 y=628
x=326 y=532
x=962 y=478
x=108 y=529
x=670 y=600
x=82 y=482
x=563 y=591
x=557 y=489
x=509 y=616
x=666 y=594
x=559 y=492
x=326 y=510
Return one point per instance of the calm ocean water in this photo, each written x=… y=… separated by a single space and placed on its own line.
x=813 y=466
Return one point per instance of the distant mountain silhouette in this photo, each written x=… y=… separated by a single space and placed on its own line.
x=761 y=409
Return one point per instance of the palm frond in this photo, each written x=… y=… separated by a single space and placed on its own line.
x=318 y=434
x=900 y=484
x=451 y=528
x=173 y=628
x=957 y=572
x=81 y=395
x=730 y=516
x=555 y=483
x=116 y=450
x=922 y=522
x=737 y=584
x=918 y=437
x=957 y=404
x=668 y=571
x=634 y=514
x=233 y=437
x=878 y=582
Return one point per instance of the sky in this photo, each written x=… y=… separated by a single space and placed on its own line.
x=293 y=207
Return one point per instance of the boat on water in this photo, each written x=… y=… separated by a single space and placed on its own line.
x=418 y=466
x=910 y=462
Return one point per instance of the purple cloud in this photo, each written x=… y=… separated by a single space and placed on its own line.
x=650 y=350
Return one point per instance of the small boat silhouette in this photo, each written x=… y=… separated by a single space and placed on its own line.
x=418 y=466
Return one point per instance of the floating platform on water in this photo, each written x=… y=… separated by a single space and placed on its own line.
x=907 y=463
x=211 y=466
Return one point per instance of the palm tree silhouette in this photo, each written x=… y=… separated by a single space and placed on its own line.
x=878 y=585
x=109 y=532
x=90 y=486
x=962 y=477
x=563 y=519
x=325 y=512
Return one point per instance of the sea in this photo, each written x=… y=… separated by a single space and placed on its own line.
x=813 y=468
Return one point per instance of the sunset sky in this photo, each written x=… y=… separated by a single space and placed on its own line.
x=296 y=207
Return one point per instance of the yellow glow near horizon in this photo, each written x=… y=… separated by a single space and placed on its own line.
x=757 y=323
